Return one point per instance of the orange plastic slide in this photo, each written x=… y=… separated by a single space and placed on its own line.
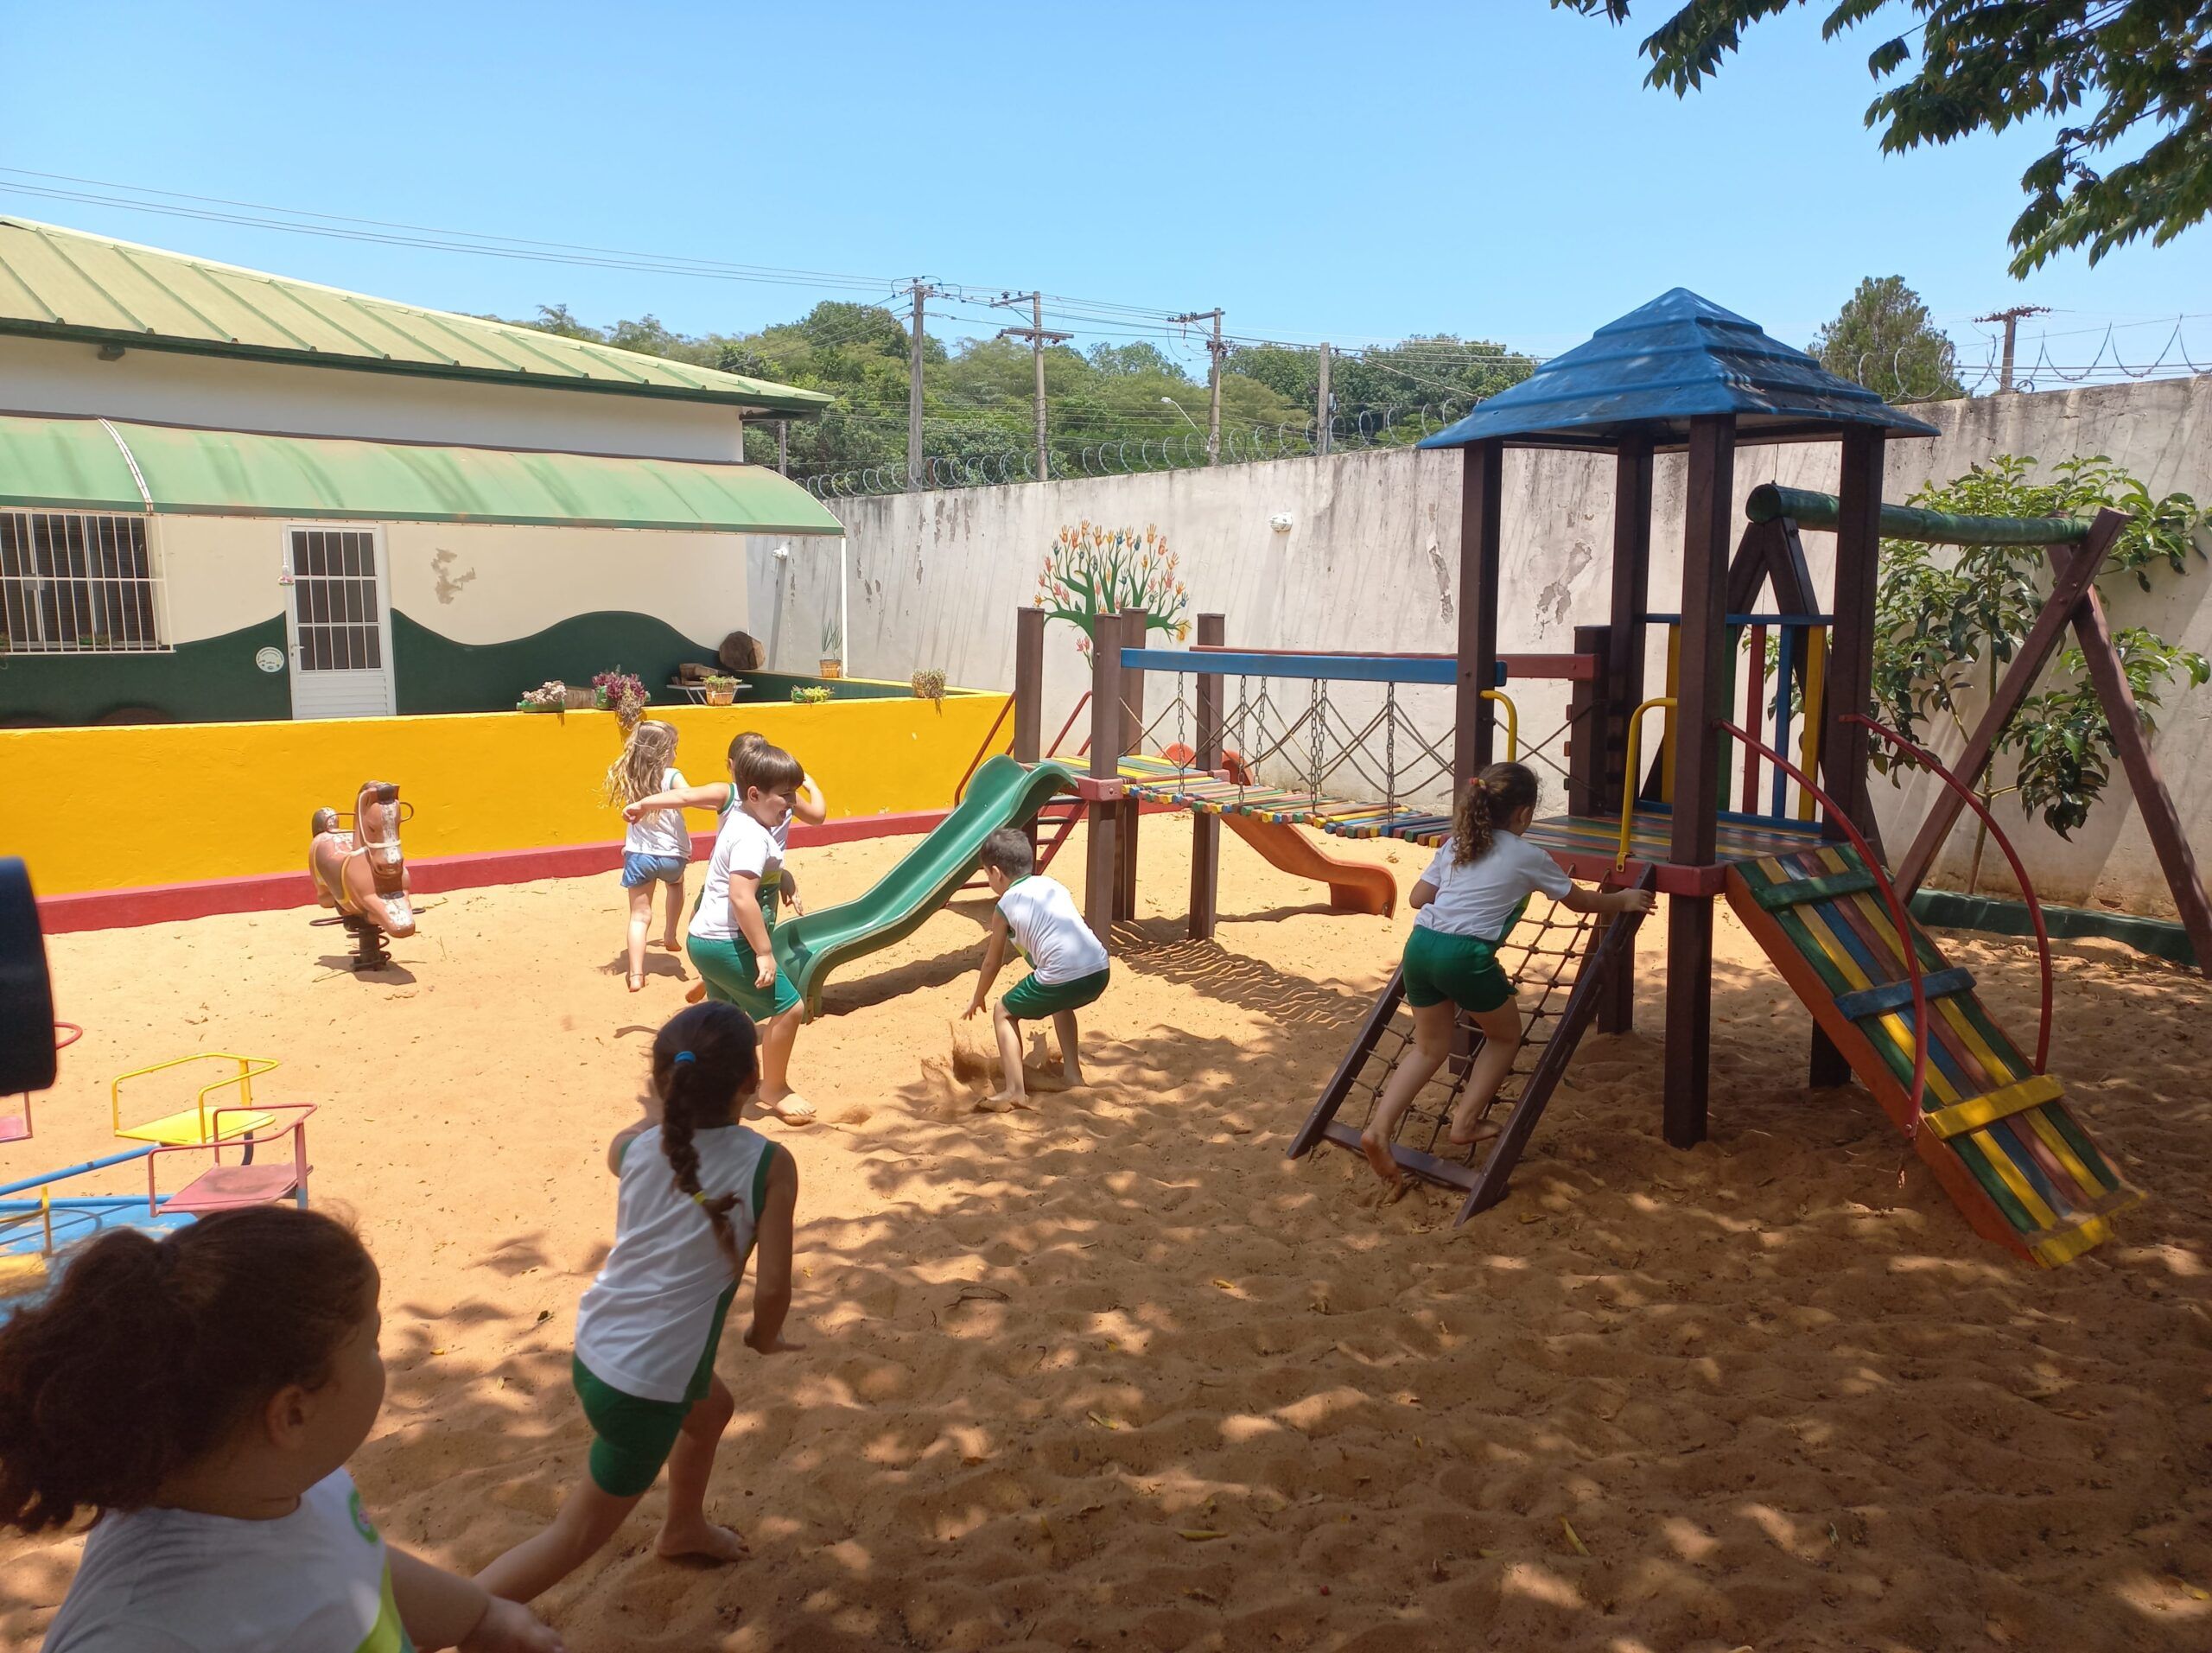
x=1354 y=887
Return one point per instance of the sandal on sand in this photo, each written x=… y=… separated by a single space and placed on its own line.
x=698 y=992
x=794 y=1109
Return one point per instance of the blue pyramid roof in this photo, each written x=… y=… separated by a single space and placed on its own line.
x=1646 y=375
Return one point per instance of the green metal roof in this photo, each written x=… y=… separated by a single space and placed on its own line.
x=64 y=283
x=106 y=465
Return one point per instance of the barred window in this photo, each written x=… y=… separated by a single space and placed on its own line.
x=72 y=582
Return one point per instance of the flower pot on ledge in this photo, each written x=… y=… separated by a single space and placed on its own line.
x=831 y=671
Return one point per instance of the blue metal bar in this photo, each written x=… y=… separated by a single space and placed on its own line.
x=76 y=1170
x=1346 y=668
x=1749 y=619
x=1786 y=660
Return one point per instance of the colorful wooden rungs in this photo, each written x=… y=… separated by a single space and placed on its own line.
x=1998 y=1136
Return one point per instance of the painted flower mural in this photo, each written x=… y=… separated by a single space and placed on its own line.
x=1092 y=570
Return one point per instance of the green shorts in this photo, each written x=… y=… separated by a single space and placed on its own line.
x=727 y=968
x=1030 y=1000
x=1462 y=969
x=631 y=1439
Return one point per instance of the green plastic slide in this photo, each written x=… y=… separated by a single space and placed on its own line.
x=1001 y=793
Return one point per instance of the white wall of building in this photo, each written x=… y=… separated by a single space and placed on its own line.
x=59 y=376
x=1371 y=562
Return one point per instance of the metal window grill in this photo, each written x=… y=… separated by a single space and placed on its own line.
x=72 y=582
x=334 y=600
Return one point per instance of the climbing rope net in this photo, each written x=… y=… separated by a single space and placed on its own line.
x=1542 y=955
x=1301 y=733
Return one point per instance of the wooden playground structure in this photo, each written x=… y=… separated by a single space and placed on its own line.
x=1779 y=821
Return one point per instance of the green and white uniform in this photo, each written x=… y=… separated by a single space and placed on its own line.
x=317 y=1581
x=1068 y=967
x=1453 y=951
x=715 y=944
x=647 y=1327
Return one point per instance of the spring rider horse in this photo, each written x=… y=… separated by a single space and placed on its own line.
x=363 y=873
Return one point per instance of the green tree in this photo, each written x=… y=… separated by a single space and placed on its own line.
x=1882 y=338
x=2138 y=72
x=1949 y=620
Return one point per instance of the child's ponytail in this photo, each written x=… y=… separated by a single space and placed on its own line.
x=1491 y=799
x=646 y=757
x=703 y=1059
x=151 y=1352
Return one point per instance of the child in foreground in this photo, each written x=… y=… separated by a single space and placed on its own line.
x=657 y=849
x=1464 y=906
x=200 y=1393
x=1069 y=968
x=698 y=1191
x=730 y=941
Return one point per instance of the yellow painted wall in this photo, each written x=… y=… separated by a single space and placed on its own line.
x=114 y=808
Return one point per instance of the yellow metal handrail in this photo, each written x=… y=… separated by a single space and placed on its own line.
x=1512 y=722
x=250 y=1068
x=1629 y=785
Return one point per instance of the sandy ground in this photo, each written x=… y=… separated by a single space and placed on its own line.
x=1114 y=1374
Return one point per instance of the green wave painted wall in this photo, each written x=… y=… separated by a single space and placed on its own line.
x=435 y=674
x=213 y=680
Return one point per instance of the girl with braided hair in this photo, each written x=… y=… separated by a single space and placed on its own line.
x=698 y=1193
x=199 y=1392
x=1465 y=906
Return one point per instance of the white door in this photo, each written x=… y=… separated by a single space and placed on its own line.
x=337 y=624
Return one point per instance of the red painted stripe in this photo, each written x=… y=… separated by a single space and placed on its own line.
x=168 y=903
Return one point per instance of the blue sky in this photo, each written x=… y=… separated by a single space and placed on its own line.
x=1336 y=172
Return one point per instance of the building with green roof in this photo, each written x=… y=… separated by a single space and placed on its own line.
x=228 y=495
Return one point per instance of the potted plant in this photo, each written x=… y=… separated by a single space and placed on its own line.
x=622 y=693
x=811 y=695
x=719 y=691
x=929 y=684
x=833 y=651
x=550 y=696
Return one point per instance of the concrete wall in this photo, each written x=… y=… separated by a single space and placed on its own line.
x=1369 y=561
x=170 y=387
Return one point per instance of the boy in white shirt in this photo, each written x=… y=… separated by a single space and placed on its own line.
x=1069 y=967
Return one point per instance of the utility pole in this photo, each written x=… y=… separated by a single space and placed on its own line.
x=1039 y=338
x=1213 y=380
x=2011 y=320
x=921 y=290
x=1323 y=408
x=783 y=447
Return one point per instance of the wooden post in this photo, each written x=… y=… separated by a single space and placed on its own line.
x=2093 y=632
x=1102 y=829
x=1585 y=725
x=1844 y=746
x=1482 y=497
x=1206 y=830
x=1133 y=627
x=1623 y=685
x=1851 y=639
x=1630 y=601
x=1028 y=696
x=1704 y=637
x=2077 y=572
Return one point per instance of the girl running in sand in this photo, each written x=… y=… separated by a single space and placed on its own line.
x=657 y=846
x=730 y=940
x=1464 y=905
x=200 y=1394
x=698 y=1191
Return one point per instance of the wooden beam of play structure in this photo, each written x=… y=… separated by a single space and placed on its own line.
x=2073 y=605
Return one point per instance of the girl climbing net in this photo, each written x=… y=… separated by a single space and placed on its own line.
x=1465 y=906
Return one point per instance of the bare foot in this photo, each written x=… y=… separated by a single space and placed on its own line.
x=705 y=1542
x=1484 y=1130
x=672 y=945
x=999 y=1102
x=791 y=1107
x=1378 y=1158
x=637 y=982
x=1071 y=1076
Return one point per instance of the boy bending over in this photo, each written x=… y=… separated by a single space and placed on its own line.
x=1068 y=964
